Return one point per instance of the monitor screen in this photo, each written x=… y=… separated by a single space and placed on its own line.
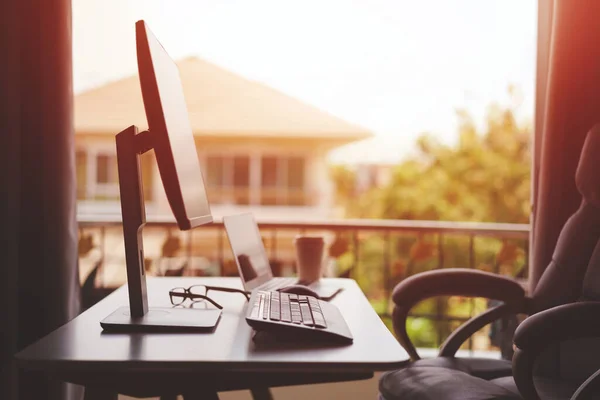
x=171 y=131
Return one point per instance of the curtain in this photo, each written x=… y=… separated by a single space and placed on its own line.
x=9 y=183
x=569 y=103
x=39 y=282
x=544 y=35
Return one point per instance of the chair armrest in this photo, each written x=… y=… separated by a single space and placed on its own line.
x=457 y=282
x=450 y=282
x=569 y=321
x=536 y=333
x=589 y=388
x=473 y=325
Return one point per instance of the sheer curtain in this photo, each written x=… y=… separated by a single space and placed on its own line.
x=39 y=285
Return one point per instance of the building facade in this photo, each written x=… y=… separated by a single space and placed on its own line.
x=260 y=150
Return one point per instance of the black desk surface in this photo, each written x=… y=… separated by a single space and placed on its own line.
x=81 y=346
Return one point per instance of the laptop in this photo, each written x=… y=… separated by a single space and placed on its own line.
x=253 y=263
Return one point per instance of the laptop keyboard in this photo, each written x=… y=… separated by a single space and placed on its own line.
x=289 y=308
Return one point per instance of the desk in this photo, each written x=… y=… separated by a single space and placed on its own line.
x=198 y=364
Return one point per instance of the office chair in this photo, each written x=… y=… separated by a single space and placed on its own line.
x=450 y=377
x=589 y=388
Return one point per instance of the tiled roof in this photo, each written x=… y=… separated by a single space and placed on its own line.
x=220 y=103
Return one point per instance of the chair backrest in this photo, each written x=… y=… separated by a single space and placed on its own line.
x=574 y=273
x=578 y=359
x=591 y=281
x=562 y=281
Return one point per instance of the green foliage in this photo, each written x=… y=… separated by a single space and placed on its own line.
x=484 y=177
x=344 y=183
x=422 y=330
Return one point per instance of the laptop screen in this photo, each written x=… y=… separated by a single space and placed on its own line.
x=248 y=250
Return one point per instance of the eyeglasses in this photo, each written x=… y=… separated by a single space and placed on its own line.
x=197 y=293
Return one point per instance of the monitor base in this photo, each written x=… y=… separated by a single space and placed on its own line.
x=162 y=319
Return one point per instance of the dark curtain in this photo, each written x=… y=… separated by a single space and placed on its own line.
x=39 y=279
x=570 y=107
x=9 y=175
x=544 y=36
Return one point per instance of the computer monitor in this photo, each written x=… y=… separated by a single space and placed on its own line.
x=170 y=135
x=169 y=124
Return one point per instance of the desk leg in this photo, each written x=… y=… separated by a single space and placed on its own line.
x=93 y=393
x=263 y=393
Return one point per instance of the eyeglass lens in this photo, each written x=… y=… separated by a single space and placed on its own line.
x=178 y=295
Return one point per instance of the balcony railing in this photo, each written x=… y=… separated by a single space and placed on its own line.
x=266 y=196
x=377 y=253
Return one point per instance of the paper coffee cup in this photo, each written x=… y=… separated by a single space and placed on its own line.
x=309 y=257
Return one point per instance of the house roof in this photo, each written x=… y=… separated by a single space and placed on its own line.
x=220 y=103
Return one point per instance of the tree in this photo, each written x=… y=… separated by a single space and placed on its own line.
x=344 y=182
x=485 y=177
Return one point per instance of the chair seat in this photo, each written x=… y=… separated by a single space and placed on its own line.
x=419 y=382
x=549 y=389
x=426 y=383
x=485 y=368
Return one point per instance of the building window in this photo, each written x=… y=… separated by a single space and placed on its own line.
x=81 y=173
x=107 y=178
x=215 y=179
x=268 y=180
x=106 y=169
x=228 y=179
x=282 y=181
x=148 y=161
x=296 y=195
x=215 y=171
x=98 y=175
x=241 y=171
x=241 y=179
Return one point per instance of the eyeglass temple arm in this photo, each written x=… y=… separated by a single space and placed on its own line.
x=214 y=303
x=188 y=295
x=230 y=290
x=200 y=296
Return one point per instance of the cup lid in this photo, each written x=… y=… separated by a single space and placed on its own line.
x=309 y=238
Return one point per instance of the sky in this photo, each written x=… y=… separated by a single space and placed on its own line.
x=396 y=67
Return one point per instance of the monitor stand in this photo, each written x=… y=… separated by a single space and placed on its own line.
x=162 y=319
x=138 y=317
